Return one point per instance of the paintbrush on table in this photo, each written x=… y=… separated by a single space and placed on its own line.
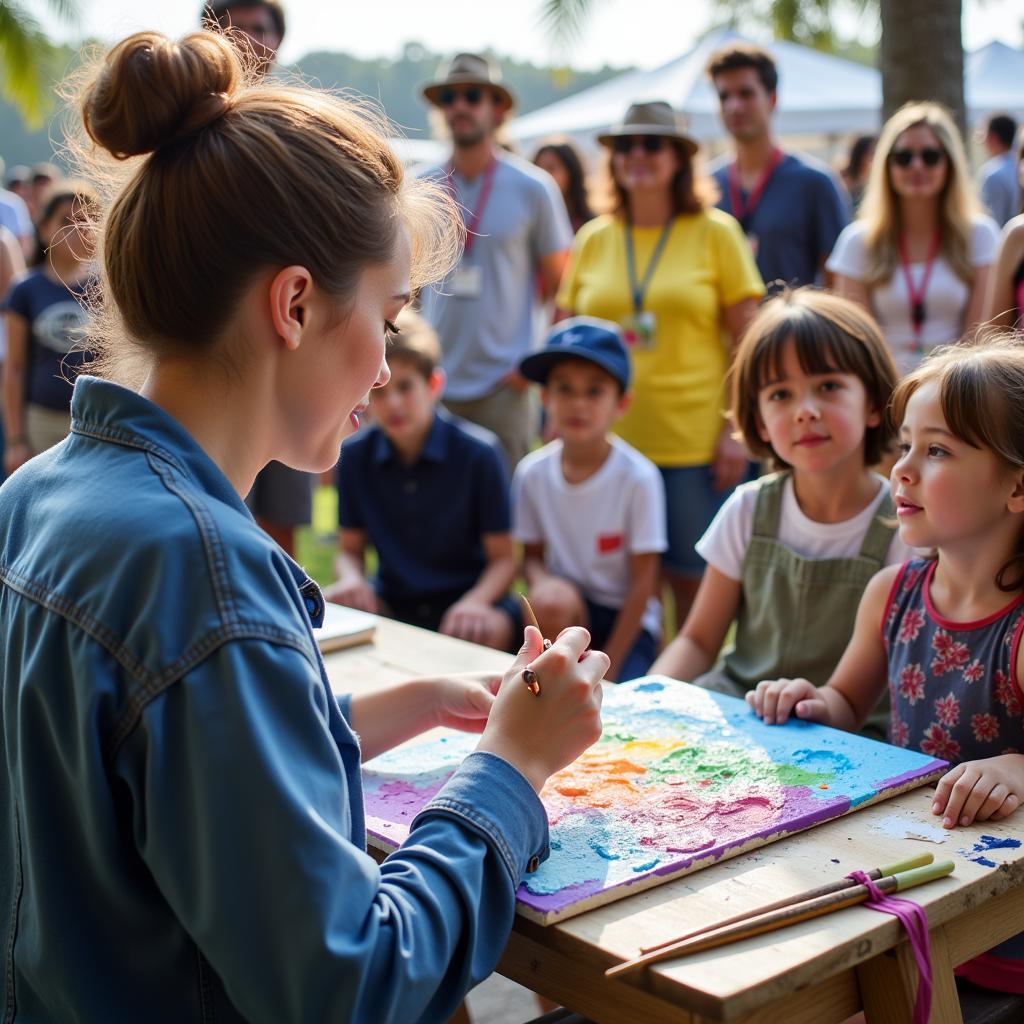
x=920 y=861
x=776 y=919
x=529 y=676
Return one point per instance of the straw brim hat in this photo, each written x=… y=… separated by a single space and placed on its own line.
x=467 y=69
x=654 y=118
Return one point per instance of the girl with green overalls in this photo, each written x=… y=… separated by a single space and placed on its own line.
x=789 y=554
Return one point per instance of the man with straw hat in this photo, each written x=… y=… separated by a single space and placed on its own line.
x=486 y=311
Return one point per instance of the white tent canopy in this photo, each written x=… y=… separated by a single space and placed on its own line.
x=994 y=81
x=818 y=94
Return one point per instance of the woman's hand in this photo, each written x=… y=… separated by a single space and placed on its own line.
x=542 y=734
x=775 y=700
x=990 y=789
x=464 y=701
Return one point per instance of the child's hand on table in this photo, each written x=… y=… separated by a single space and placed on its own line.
x=775 y=700
x=987 y=790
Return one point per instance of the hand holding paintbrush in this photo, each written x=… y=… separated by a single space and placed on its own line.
x=529 y=675
x=539 y=737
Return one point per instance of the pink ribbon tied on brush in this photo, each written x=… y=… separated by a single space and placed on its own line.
x=915 y=923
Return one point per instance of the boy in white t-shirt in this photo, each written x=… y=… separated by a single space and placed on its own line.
x=589 y=509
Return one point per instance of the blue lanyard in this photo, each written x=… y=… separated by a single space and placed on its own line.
x=639 y=288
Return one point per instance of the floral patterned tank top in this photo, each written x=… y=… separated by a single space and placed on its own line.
x=953 y=685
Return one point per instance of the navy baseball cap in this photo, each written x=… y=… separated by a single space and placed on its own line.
x=582 y=337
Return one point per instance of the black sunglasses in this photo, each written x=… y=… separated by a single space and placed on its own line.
x=472 y=96
x=649 y=143
x=930 y=156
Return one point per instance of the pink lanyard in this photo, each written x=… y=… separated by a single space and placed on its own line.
x=481 y=203
x=915 y=922
x=918 y=312
x=744 y=211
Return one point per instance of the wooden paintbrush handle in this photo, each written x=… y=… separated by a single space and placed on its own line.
x=777 y=919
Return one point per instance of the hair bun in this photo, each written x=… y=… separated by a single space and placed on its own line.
x=151 y=91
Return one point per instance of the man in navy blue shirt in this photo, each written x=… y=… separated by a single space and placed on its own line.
x=431 y=494
x=791 y=206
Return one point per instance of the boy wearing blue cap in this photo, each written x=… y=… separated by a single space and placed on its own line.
x=588 y=508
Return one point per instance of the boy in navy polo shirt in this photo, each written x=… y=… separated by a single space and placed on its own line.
x=430 y=493
x=588 y=508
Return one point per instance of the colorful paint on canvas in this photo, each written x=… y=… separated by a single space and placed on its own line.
x=681 y=777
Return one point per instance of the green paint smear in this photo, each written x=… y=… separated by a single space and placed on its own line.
x=721 y=765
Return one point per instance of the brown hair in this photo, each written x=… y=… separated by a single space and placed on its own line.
x=830 y=335
x=415 y=343
x=690 y=194
x=217 y=178
x=981 y=394
x=745 y=55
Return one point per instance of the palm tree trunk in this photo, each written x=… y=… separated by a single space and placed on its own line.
x=921 y=55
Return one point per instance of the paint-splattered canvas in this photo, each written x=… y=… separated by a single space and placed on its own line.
x=680 y=778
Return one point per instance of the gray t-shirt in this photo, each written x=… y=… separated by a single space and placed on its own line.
x=793 y=227
x=484 y=311
x=1000 y=187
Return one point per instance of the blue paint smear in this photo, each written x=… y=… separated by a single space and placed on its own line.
x=992 y=843
x=651 y=687
x=984 y=845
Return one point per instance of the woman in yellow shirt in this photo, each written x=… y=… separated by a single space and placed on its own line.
x=680 y=278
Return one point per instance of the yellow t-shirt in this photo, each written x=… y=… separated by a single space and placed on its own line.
x=706 y=265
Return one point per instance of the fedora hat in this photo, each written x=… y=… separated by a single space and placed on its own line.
x=467 y=69
x=655 y=117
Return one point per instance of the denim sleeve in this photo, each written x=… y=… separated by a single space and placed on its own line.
x=243 y=778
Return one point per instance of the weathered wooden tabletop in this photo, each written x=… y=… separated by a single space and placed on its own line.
x=813 y=973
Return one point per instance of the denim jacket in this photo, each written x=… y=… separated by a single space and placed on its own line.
x=181 y=822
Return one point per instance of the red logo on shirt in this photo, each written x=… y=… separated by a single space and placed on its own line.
x=609 y=542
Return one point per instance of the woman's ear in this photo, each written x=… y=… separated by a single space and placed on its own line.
x=1015 y=503
x=289 y=293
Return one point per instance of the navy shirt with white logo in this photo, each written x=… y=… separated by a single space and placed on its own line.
x=56 y=320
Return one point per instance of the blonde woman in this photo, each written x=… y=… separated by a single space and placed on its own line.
x=918 y=256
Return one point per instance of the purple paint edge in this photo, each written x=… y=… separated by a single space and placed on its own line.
x=934 y=765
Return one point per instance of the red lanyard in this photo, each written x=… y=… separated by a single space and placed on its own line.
x=918 y=312
x=481 y=203
x=744 y=211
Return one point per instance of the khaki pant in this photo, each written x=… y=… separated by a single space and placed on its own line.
x=45 y=427
x=507 y=412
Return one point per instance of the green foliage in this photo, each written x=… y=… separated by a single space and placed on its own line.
x=29 y=62
x=396 y=83
x=808 y=22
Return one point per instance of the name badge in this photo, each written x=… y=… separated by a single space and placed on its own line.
x=467 y=281
x=639 y=330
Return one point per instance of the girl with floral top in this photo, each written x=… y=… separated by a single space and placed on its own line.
x=945 y=631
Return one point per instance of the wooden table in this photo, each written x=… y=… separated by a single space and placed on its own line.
x=814 y=973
